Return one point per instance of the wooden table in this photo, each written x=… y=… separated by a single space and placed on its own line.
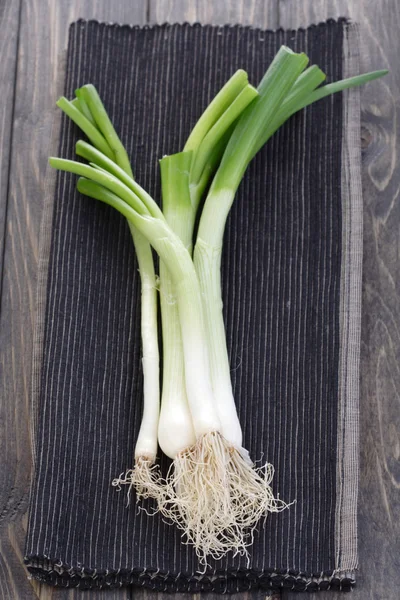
x=33 y=35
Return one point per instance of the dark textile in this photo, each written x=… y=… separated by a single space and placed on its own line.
x=282 y=269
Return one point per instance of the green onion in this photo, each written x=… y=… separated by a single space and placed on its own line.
x=109 y=154
x=184 y=175
x=203 y=527
x=254 y=128
x=274 y=87
x=213 y=492
x=180 y=265
x=175 y=430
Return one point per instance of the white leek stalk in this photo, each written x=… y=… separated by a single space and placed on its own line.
x=175 y=432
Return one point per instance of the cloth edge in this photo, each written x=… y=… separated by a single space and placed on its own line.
x=223 y=582
x=350 y=316
x=194 y=24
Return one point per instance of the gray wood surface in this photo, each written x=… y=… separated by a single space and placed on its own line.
x=9 y=27
x=43 y=29
x=261 y=13
x=29 y=84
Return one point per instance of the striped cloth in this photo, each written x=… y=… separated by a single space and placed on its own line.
x=291 y=287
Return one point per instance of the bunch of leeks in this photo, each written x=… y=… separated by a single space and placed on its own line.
x=213 y=491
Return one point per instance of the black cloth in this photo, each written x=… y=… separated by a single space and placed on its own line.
x=282 y=269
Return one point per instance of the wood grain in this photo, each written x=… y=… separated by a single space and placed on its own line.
x=43 y=33
x=292 y=14
x=9 y=27
x=27 y=122
x=379 y=506
x=260 y=13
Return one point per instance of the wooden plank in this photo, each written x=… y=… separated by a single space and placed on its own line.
x=9 y=26
x=43 y=37
x=378 y=521
x=292 y=14
x=379 y=509
x=247 y=12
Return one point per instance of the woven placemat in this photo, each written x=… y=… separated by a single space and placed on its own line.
x=291 y=286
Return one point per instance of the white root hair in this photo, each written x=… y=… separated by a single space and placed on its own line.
x=217 y=497
x=212 y=492
x=145 y=478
